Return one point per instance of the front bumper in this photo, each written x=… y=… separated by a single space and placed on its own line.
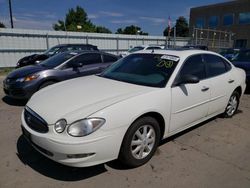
x=96 y=148
x=19 y=90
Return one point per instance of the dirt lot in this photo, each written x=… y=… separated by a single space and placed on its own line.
x=214 y=154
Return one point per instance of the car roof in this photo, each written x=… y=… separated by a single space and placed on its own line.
x=76 y=52
x=182 y=53
x=63 y=45
x=150 y=45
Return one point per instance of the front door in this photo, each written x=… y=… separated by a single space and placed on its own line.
x=190 y=102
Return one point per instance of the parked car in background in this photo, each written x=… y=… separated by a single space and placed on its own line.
x=229 y=53
x=37 y=58
x=23 y=82
x=129 y=108
x=142 y=47
x=242 y=60
x=200 y=47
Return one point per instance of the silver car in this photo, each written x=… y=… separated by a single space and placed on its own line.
x=24 y=82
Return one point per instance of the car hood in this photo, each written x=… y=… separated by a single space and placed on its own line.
x=243 y=65
x=79 y=98
x=25 y=71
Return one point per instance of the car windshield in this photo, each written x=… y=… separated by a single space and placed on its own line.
x=52 y=51
x=226 y=51
x=135 y=49
x=242 y=56
x=57 y=60
x=143 y=69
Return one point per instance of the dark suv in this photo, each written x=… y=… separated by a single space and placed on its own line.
x=23 y=82
x=36 y=58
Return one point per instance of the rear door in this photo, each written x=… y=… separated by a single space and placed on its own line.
x=190 y=102
x=91 y=63
x=222 y=82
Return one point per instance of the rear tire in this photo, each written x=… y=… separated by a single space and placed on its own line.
x=45 y=84
x=140 y=142
x=232 y=105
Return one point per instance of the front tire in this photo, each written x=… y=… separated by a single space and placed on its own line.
x=232 y=105
x=140 y=142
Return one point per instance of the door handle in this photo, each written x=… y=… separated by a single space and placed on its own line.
x=204 y=88
x=230 y=81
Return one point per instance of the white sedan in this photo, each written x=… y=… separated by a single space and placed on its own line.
x=125 y=112
x=142 y=47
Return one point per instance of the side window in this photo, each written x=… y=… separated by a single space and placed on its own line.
x=227 y=65
x=91 y=58
x=87 y=59
x=153 y=48
x=109 y=58
x=215 y=65
x=194 y=65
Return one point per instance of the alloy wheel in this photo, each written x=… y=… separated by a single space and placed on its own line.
x=143 y=142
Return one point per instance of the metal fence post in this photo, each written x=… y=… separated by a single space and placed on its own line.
x=117 y=45
x=87 y=39
x=47 y=41
x=174 y=37
x=196 y=33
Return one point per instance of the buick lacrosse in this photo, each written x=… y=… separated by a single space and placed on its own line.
x=124 y=112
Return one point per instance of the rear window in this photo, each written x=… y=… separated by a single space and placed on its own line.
x=215 y=65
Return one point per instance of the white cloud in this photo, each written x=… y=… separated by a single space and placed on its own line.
x=31 y=24
x=154 y=20
x=93 y=16
x=38 y=14
x=123 y=21
x=111 y=14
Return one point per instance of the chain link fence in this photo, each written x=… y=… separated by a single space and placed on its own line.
x=213 y=39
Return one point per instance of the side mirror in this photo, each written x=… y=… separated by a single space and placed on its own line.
x=76 y=65
x=187 y=79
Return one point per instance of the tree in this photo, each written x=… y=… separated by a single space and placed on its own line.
x=100 y=29
x=2 y=25
x=182 y=29
x=165 y=32
x=131 y=30
x=77 y=20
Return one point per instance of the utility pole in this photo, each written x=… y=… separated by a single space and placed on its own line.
x=11 y=19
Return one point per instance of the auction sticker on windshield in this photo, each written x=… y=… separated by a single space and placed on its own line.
x=170 y=58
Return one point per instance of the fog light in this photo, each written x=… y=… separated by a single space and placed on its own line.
x=77 y=156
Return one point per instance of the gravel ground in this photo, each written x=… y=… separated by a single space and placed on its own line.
x=213 y=154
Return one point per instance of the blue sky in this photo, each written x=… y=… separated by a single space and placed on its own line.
x=151 y=16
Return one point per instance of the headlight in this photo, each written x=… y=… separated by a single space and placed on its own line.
x=28 y=78
x=60 y=125
x=85 y=126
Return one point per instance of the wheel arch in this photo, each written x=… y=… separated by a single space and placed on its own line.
x=158 y=117
x=239 y=89
x=47 y=80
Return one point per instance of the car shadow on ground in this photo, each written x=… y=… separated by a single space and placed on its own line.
x=29 y=156
x=14 y=102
